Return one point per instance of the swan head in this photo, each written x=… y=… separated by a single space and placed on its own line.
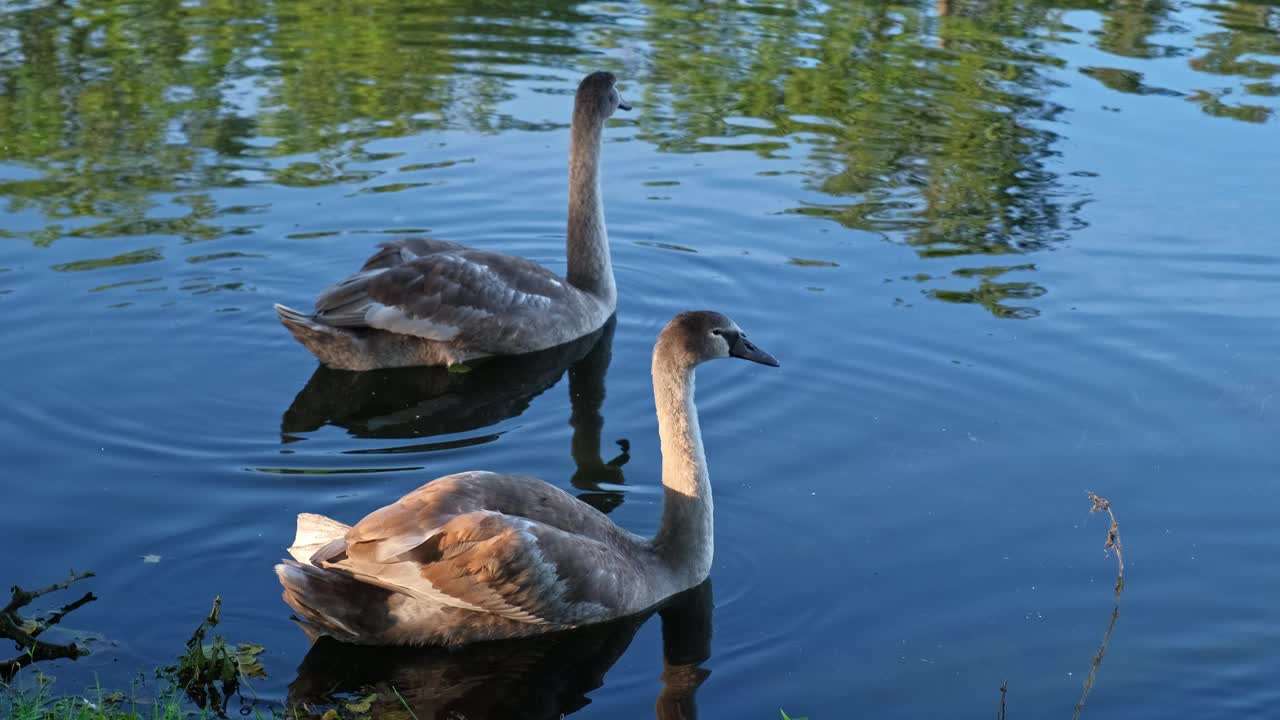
x=699 y=335
x=598 y=96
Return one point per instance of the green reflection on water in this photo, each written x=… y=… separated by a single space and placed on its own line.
x=136 y=257
x=929 y=124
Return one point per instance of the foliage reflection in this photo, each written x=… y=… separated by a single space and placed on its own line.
x=930 y=124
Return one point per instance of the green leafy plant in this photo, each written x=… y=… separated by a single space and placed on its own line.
x=210 y=673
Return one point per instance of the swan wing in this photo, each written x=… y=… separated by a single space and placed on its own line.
x=509 y=545
x=444 y=291
x=402 y=250
x=408 y=522
x=505 y=565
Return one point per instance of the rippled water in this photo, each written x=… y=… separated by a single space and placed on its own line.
x=1007 y=253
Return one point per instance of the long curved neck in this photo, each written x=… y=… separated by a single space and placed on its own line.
x=587 y=244
x=684 y=541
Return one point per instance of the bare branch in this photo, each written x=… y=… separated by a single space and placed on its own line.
x=41 y=651
x=56 y=617
x=21 y=598
x=24 y=632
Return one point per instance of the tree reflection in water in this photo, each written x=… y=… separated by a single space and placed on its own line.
x=927 y=123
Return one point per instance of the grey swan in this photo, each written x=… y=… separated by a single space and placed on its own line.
x=483 y=556
x=422 y=301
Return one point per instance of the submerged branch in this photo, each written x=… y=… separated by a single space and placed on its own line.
x=1101 y=504
x=24 y=632
x=22 y=598
x=56 y=617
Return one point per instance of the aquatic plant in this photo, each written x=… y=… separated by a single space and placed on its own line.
x=211 y=673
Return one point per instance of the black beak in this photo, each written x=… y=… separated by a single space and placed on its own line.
x=743 y=348
x=623 y=104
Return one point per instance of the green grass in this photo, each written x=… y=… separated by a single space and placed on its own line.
x=199 y=686
x=43 y=703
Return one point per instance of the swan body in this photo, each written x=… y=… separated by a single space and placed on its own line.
x=481 y=556
x=422 y=301
x=544 y=677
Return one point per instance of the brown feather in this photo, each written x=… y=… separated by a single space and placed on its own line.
x=498 y=555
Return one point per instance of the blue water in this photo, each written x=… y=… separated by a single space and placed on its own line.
x=1007 y=254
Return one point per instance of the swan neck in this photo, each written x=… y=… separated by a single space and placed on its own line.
x=685 y=538
x=587 y=243
x=586 y=397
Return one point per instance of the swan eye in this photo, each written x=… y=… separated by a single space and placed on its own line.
x=717 y=331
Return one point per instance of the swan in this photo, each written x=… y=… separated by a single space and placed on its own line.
x=422 y=301
x=484 y=556
x=544 y=677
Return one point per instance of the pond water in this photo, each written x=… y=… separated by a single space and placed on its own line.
x=1007 y=253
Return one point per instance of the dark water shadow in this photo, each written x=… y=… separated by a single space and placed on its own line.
x=534 y=679
x=417 y=403
x=422 y=402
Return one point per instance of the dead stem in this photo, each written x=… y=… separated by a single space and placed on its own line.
x=1101 y=504
x=1004 y=691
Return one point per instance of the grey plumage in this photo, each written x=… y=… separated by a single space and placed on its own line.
x=422 y=301
x=480 y=556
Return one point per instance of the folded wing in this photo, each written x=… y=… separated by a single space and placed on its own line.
x=504 y=565
x=510 y=546
x=439 y=290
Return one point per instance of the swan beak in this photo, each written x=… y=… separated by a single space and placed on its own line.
x=745 y=349
x=623 y=104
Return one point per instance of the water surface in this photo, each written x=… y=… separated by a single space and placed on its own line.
x=1006 y=252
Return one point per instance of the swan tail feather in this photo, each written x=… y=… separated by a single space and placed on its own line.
x=314 y=532
x=321 y=599
x=333 y=346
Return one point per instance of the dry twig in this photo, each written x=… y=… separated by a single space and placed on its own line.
x=1101 y=504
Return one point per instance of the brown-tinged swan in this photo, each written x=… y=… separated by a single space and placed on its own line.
x=482 y=556
x=547 y=677
x=421 y=301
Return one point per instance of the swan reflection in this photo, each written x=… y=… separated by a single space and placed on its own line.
x=541 y=678
x=414 y=403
